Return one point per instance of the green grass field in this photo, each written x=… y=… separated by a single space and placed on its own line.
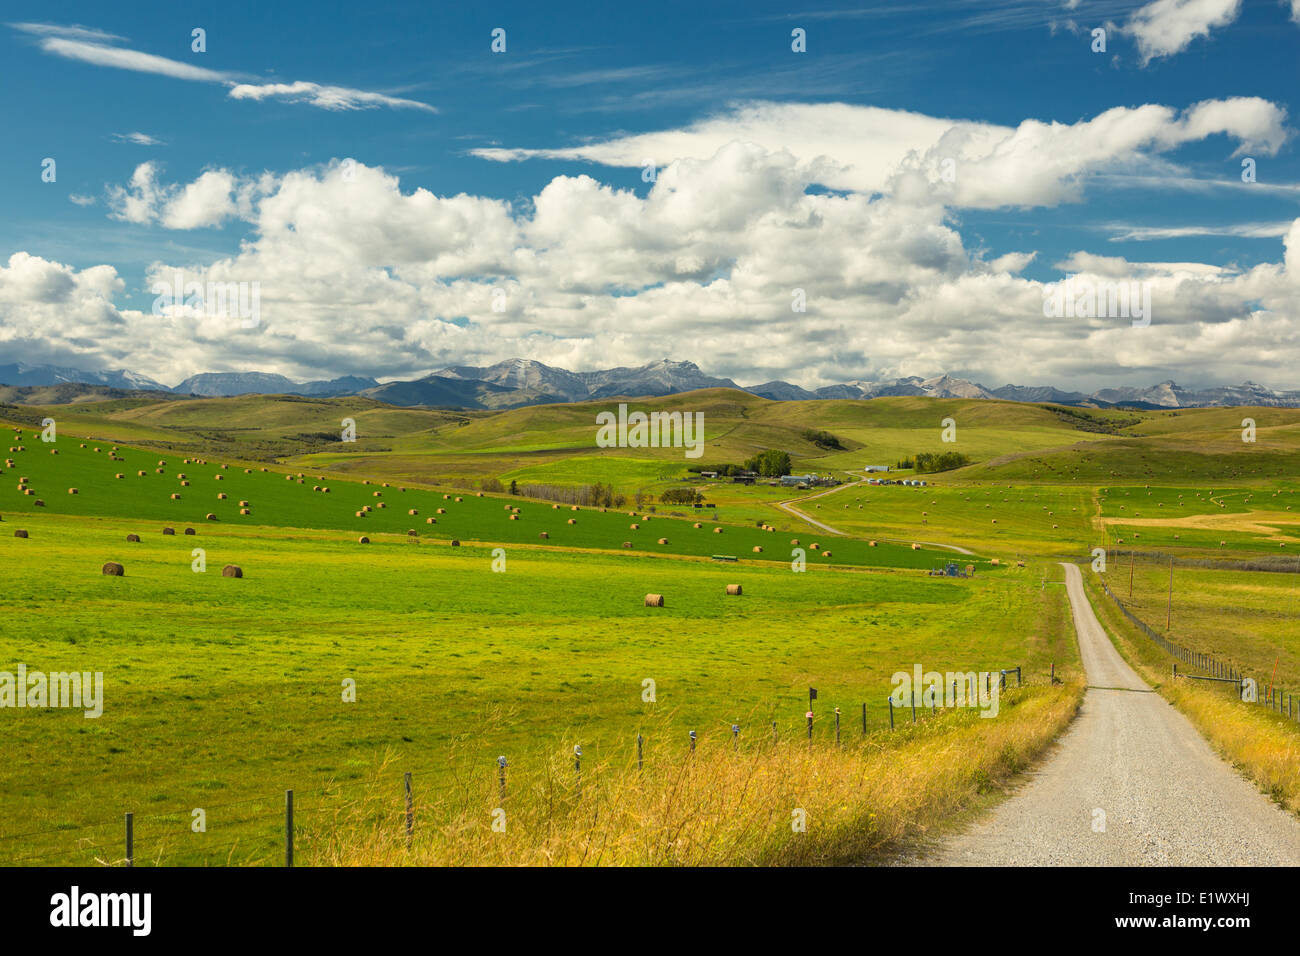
x=221 y=693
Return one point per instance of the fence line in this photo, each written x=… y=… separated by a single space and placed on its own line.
x=931 y=705
x=1282 y=702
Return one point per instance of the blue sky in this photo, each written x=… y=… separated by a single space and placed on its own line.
x=414 y=95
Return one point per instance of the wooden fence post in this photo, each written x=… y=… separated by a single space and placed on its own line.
x=130 y=839
x=410 y=809
x=288 y=828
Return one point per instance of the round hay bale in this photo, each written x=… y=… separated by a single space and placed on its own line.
x=572 y=521
x=514 y=517
x=39 y=503
x=245 y=511
x=411 y=532
x=478 y=494
x=382 y=505
x=219 y=477
x=20 y=533
x=175 y=496
x=717 y=531
x=209 y=517
x=181 y=475
x=654 y=600
x=826 y=554
x=634 y=526
x=995 y=562
x=171 y=531
x=795 y=542
x=413 y=511
x=430 y=520
x=72 y=491
x=735 y=589
x=507 y=507
x=244 y=504
x=119 y=475
x=132 y=537
x=575 y=508
x=697 y=525
x=377 y=494
x=627 y=544
x=455 y=543
x=232 y=571
x=189 y=531
x=758 y=549
x=555 y=507
x=113 y=569
x=663 y=540
x=543 y=535
x=221 y=496
x=54 y=451
x=915 y=546
x=158 y=470
x=871 y=544
x=814 y=546
x=160 y=464
x=363 y=540
x=185 y=484
x=361 y=514
x=325 y=491
x=442 y=511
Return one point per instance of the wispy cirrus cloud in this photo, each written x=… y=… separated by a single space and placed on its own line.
x=1245 y=230
x=98 y=48
x=136 y=139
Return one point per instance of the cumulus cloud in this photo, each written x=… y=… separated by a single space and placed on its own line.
x=357 y=275
x=1166 y=27
x=927 y=159
x=217 y=195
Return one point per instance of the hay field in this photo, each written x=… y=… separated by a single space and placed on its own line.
x=221 y=693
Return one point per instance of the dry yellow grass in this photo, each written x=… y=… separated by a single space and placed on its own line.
x=721 y=805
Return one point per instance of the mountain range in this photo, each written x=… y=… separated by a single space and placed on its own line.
x=518 y=382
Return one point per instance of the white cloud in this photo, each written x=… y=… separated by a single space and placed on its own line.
x=357 y=275
x=70 y=32
x=1166 y=27
x=96 y=48
x=326 y=97
x=1247 y=230
x=137 y=139
x=926 y=159
x=81 y=200
x=121 y=58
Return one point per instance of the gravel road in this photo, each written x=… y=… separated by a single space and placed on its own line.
x=1167 y=799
